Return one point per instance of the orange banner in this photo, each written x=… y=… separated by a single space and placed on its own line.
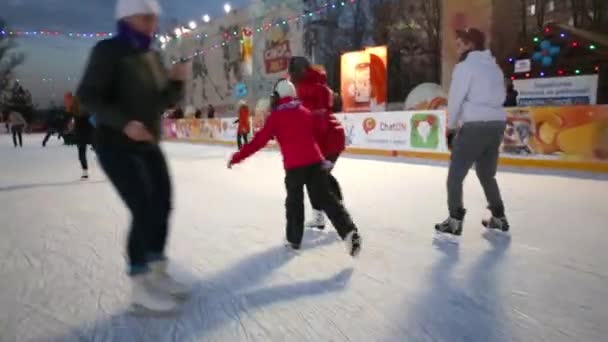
x=364 y=80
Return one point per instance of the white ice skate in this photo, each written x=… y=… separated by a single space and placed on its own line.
x=147 y=299
x=163 y=282
x=353 y=243
x=85 y=175
x=318 y=220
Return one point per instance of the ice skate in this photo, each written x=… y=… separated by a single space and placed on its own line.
x=146 y=299
x=318 y=220
x=495 y=223
x=163 y=282
x=292 y=246
x=452 y=226
x=353 y=243
x=85 y=175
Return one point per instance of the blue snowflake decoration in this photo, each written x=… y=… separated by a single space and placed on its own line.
x=547 y=53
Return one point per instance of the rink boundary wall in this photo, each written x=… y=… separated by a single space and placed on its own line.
x=420 y=135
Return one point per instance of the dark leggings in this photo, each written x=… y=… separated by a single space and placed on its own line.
x=334 y=186
x=141 y=178
x=241 y=139
x=17 y=133
x=317 y=184
x=82 y=156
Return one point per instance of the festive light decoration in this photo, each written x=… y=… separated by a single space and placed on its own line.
x=46 y=33
x=228 y=37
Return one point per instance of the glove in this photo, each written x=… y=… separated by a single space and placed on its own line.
x=451 y=134
x=230 y=163
x=327 y=165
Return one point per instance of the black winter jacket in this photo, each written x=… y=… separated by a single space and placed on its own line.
x=121 y=84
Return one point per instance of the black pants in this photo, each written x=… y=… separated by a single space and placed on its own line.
x=142 y=181
x=334 y=186
x=241 y=138
x=82 y=156
x=316 y=181
x=17 y=133
x=48 y=136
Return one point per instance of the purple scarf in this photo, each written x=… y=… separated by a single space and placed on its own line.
x=136 y=39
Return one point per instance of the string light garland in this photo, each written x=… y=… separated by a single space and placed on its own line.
x=545 y=48
x=47 y=33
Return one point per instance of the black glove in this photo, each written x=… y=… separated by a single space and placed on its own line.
x=450 y=138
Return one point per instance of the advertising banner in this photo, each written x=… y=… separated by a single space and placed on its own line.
x=169 y=127
x=364 y=80
x=396 y=131
x=572 y=132
x=557 y=91
x=229 y=130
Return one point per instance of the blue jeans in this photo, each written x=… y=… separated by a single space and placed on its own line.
x=141 y=178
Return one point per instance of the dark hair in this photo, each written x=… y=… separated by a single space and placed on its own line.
x=474 y=37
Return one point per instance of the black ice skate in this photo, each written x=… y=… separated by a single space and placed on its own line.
x=292 y=245
x=353 y=243
x=453 y=224
x=496 y=223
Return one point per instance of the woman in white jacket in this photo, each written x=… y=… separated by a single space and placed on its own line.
x=476 y=124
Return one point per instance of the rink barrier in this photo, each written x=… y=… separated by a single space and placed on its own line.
x=560 y=138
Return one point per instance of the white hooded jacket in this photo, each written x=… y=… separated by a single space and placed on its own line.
x=477 y=92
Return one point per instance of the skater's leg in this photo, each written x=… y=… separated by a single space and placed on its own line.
x=465 y=152
x=486 y=166
x=159 y=182
x=82 y=156
x=246 y=138
x=46 y=138
x=14 y=132
x=20 y=135
x=294 y=204
x=124 y=170
x=333 y=182
x=319 y=191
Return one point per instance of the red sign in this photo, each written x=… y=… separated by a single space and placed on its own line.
x=276 y=58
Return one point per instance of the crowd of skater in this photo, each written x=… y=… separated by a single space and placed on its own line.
x=128 y=88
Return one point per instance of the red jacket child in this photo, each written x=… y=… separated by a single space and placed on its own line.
x=294 y=128
x=244 y=125
x=318 y=98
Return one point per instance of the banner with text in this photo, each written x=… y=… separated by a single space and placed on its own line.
x=557 y=91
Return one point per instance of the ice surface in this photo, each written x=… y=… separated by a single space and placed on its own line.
x=62 y=266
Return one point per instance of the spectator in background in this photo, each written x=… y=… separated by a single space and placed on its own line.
x=512 y=94
x=18 y=124
x=244 y=127
x=210 y=112
x=198 y=114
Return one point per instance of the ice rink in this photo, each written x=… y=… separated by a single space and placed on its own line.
x=62 y=266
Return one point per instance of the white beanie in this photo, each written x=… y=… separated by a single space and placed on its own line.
x=127 y=8
x=285 y=89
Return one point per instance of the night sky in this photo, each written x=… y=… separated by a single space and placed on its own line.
x=62 y=59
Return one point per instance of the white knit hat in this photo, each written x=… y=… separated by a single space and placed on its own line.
x=285 y=89
x=127 y=8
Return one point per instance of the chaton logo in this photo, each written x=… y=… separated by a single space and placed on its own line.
x=393 y=126
x=369 y=125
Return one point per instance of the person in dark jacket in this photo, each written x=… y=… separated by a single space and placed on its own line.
x=512 y=94
x=317 y=97
x=210 y=112
x=295 y=130
x=126 y=85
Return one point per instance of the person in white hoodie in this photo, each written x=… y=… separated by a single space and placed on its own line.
x=476 y=125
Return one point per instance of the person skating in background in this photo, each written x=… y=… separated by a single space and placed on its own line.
x=242 y=134
x=83 y=131
x=317 y=97
x=295 y=130
x=126 y=85
x=210 y=112
x=18 y=124
x=512 y=94
x=57 y=123
x=476 y=125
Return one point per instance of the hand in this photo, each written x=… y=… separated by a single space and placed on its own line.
x=180 y=71
x=451 y=134
x=327 y=165
x=137 y=131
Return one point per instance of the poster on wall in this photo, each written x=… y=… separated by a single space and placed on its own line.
x=395 y=131
x=567 y=132
x=557 y=91
x=364 y=80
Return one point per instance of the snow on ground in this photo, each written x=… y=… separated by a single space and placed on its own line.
x=62 y=265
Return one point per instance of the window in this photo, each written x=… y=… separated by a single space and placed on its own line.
x=551 y=6
x=532 y=10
